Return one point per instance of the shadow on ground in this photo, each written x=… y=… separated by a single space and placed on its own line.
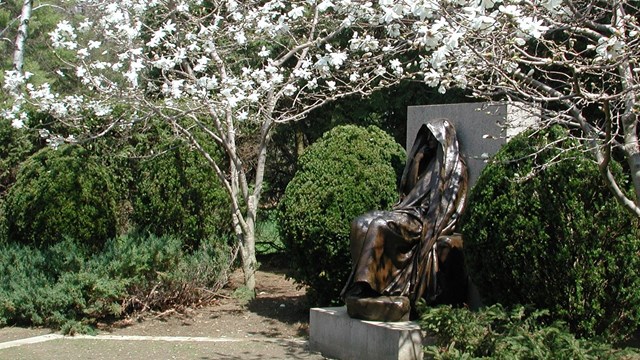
x=280 y=301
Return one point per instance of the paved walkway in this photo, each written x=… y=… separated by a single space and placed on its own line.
x=18 y=343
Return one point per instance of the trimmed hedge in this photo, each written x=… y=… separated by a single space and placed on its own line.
x=349 y=171
x=556 y=239
x=60 y=193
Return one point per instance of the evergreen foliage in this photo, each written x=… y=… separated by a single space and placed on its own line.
x=555 y=238
x=15 y=147
x=58 y=193
x=178 y=193
x=498 y=333
x=349 y=171
x=68 y=287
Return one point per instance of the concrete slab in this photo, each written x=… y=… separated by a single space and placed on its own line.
x=334 y=334
x=110 y=347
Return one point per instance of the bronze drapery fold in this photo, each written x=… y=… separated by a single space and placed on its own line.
x=395 y=252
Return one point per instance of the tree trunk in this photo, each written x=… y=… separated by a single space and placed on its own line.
x=21 y=38
x=634 y=163
x=633 y=153
x=248 y=248
x=249 y=261
x=299 y=141
x=629 y=118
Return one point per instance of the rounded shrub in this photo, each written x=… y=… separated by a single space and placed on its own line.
x=542 y=228
x=60 y=193
x=179 y=194
x=349 y=171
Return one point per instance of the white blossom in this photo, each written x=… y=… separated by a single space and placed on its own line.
x=366 y=44
x=325 y=5
x=396 y=66
x=13 y=79
x=289 y=89
x=64 y=36
x=488 y=4
x=264 y=52
x=296 y=12
x=380 y=70
x=93 y=44
x=511 y=10
x=302 y=73
x=182 y=7
x=337 y=58
x=81 y=72
x=391 y=14
x=552 y=5
x=85 y=25
x=608 y=48
x=439 y=57
x=312 y=84
x=253 y=97
x=201 y=64
x=240 y=37
x=18 y=122
x=242 y=115
x=82 y=53
x=207 y=82
x=532 y=26
x=173 y=88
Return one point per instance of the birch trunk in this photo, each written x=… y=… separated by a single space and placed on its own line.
x=21 y=38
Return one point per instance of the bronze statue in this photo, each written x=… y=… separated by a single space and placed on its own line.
x=412 y=252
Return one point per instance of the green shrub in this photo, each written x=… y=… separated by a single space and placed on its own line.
x=179 y=193
x=159 y=273
x=15 y=147
x=349 y=171
x=557 y=239
x=33 y=292
x=59 y=193
x=496 y=333
x=70 y=288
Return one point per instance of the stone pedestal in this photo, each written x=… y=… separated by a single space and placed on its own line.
x=334 y=334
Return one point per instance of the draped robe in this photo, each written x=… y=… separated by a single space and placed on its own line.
x=394 y=252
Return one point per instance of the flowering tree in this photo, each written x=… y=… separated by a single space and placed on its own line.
x=576 y=59
x=219 y=68
x=224 y=68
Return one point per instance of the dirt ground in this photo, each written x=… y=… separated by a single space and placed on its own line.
x=279 y=310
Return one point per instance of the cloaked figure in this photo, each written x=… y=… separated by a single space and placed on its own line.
x=412 y=251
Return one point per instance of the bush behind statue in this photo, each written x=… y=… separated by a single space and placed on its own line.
x=62 y=192
x=557 y=240
x=349 y=171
